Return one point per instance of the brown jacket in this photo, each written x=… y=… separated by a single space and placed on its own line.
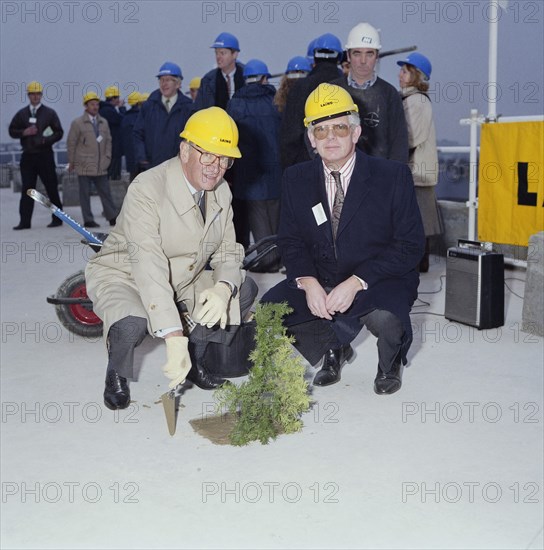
x=87 y=155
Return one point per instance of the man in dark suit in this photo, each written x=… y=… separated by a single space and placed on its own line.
x=351 y=238
x=38 y=127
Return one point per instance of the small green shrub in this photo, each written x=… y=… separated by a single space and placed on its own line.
x=275 y=395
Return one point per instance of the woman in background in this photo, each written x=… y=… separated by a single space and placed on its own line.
x=414 y=78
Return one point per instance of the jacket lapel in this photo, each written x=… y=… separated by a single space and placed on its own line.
x=359 y=187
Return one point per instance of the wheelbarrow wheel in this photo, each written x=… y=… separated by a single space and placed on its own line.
x=78 y=318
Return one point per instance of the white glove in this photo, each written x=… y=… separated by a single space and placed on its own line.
x=215 y=302
x=178 y=361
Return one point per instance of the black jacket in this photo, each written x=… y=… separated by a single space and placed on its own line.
x=46 y=118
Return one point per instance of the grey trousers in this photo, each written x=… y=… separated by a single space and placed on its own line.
x=314 y=338
x=102 y=184
x=128 y=333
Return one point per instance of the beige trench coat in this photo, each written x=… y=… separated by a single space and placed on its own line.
x=421 y=137
x=87 y=156
x=157 y=253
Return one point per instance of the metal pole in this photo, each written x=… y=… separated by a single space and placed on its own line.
x=492 y=69
x=473 y=177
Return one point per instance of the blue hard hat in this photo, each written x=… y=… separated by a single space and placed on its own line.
x=226 y=40
x=310 y=51
x=170 y=69
x=298 y=63
x=255 y=67
x=328 y=41
x=419 y=61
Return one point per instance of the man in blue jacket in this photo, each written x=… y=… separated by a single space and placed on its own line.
x=162 y=118
x=218 y=85
x=351 y=238
x=256 y=177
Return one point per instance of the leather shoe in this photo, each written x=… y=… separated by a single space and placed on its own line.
x=333 y=362
x=90 y=224
x=200 y=376
x=21 y=226
x=116 y=393
x=389 y=382
x=55 y=223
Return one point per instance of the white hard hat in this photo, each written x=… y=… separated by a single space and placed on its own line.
x=364 y=35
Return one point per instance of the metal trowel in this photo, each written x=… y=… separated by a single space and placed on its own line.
x=169 y=404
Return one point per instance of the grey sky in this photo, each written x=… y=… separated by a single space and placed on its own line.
x=73 y=46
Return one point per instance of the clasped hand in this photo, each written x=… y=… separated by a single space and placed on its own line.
x=214 y=304
x=338 y=300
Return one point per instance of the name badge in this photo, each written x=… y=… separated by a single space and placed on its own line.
x=319 y=214
x=32 y=120
x=99 y=139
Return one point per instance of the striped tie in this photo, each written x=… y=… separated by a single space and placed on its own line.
x=338 y=203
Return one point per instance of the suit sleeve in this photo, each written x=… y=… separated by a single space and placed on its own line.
x=296 y=257
x=408 y=239
x=398 y=133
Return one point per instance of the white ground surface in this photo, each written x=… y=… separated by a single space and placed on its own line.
x=454 y=460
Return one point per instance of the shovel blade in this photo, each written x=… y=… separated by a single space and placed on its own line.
x=169 y=404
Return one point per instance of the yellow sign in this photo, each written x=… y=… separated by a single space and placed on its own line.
x=511 y=182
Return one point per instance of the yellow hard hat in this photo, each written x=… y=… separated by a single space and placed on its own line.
x=111 y=91
x=134 y=98
x=195 y=83
x=328 y=101
x=34 y=88
x=145 y=96
x=89 y=96
x=214 y=131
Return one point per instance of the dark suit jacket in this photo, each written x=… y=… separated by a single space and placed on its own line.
x=380 y=239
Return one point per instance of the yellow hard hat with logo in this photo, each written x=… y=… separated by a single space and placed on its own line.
x=89 y=96
x=328 y=101
x=213 y=130
x=111 y=91
x=134 y=97
x=34 y=88
x=195 y=83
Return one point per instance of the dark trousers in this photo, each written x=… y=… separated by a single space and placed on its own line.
x=240 y=219
x=102 y=184
x=314 y=338
x=128 y=333
x=34 y=165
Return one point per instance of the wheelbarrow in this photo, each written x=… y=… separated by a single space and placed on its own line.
x=73 y=307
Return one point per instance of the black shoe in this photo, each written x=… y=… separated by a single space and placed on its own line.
x=333 y=362
x=55 y=223
x=116 y=393
x=91 y=224
x=21 y=226
x=389 y=382
x=113 y=221
x=200 y=376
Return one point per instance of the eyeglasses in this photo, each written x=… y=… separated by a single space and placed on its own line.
x=339 y=130
x=207 y=159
